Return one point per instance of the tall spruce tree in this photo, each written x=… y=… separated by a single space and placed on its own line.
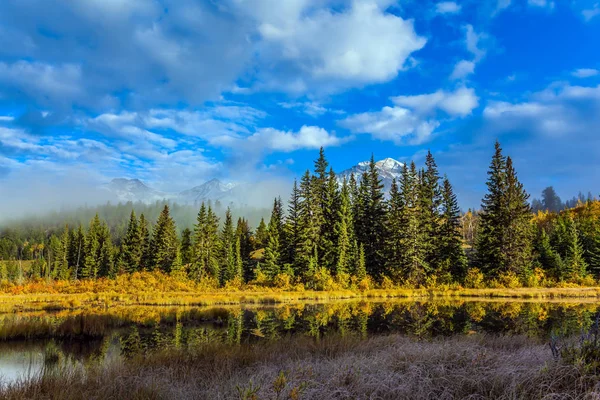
x=430 y=198
x=329 y=236
x=415 y=266
x=272 y=258
x=106 y=267
x=146 y=262
x=504 y=240
x=517 y=242
x=261 y=235
x=228 y=263
x=307 y=251
x=451 y=258
x=92 y=250
x=345 y=233
x=292 y=228
x=244 y=234
x=131 y=248
x=206 y=246
x=396 y=226
x=187 y=247
x=165 y=246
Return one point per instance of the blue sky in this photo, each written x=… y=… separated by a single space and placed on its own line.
x=176 y=92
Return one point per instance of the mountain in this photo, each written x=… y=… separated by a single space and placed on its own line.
x=387 y=168
x=134 y=190
x=211 y=190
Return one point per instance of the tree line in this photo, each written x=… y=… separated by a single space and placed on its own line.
x=346 y=233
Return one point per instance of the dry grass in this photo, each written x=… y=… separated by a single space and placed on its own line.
x=389 y=367
x=152 y=296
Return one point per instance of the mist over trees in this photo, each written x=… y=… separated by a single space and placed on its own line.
x=327 y=235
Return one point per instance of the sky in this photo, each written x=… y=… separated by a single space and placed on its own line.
x=176 y=92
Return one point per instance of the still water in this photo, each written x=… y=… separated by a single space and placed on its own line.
x=32 y=343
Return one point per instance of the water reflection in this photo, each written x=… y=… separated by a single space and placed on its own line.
x=34 y=342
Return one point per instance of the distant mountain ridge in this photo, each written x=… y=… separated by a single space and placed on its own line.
x=134 y=190
x=388 y=169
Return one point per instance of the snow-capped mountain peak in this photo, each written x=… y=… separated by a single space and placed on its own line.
x=387 y=168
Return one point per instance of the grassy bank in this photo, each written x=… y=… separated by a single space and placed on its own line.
x=155 y=296
x=388 y=367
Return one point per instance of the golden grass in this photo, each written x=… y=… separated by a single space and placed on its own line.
x=155 y=297
x=384 y=367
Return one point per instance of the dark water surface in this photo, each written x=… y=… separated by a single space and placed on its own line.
x=31 y=343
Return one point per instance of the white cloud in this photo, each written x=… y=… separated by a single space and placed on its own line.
x=357 y=45
x=560 y=110
x=447 y=7
x=6 y=118
x=473 y=40
x=308 y=137
x=590 y=13
x=541 y=3
x=462 y=69
x=585 y=72
x=413 y=118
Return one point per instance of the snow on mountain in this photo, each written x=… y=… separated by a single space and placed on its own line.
x=134 y=190
x=387 y=168
x=211 y=190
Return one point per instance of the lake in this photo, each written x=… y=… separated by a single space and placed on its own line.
x=34 y=342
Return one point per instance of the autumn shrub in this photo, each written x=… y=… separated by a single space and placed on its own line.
x=474 y=279
x=283 y=281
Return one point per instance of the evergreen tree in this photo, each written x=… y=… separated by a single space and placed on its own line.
x=430 y=199
x=415 y=265
x=361 y=267
x=146 y=261
x=546 y=257
x=61 y=258
x=371 y=219
x=345 y=233
x=131 y=248
x=329 y=236
x=187 y=248
x=292 y=228
x=307 y=251
x=244 y=234
x=261 y=236
x=575 y=265
x=105 y=254
x=396 y=226
x=492 y=224
x=92 y=250
x=516 y=250
x=451 y=257
x=206 y=246
x=77 y=252
x=272 y=259
x=228 y=262
x=165 y=246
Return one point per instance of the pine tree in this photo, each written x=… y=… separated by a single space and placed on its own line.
x=206 y=246
x=415 y=265
x=187 y=248
x=430 y=199
x=92 y=250
x=361 y=267
x=546 y=257
x=146 y=261
x=77 y=252
x=292 y=228
x=329 y=237
x=61 y=263
x=345 y=233
x=371 y=220
x=106 y=266
x=244 y=234
x=165 y=246
x=261 y=236
x=516 y=251
x=492 y=224
x=396 y=226
x=238 y=273
x=307 y=251
x=451 y=257
x=227 y=240
x=575 y=265
x=272 y=259
x=131 y=248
